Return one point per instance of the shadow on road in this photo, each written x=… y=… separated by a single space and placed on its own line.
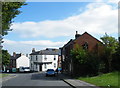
x=42 y=76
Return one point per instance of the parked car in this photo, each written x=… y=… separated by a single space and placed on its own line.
x=50 y=72
x=24 y=69
x=21 y=69
x=14 y=70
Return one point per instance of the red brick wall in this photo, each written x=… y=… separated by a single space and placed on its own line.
x=92 y=42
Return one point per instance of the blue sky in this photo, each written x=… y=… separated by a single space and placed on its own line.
x=52 y=24
x=40 y=11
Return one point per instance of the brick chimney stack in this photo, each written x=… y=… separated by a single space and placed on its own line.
x=33 y=50
x=14 y=54
x=77 y=35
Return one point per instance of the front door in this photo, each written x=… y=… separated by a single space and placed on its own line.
x=40 y=67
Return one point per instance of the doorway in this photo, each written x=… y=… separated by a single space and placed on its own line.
x=40 y=67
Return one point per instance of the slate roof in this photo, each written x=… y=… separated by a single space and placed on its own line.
x=16 y=56
x=46 y=52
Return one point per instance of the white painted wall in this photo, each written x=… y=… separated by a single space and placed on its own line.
x=23 y=61
x=50 y=58
x=41 y=58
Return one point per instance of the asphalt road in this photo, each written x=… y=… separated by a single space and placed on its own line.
x=35 y=79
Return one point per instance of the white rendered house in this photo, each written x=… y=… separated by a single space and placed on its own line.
x=44 y=59
x=22 y=61
x=19 y=60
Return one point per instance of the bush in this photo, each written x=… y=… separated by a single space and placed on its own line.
x=84 y=63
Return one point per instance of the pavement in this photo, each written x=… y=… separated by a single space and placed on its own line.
x=8 y=77
x=74 y=83
x=79 y=84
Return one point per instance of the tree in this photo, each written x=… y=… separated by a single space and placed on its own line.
x=9 y=11
x=111 y=45
x=116 y=60
x=85 y=63
x=5 y=58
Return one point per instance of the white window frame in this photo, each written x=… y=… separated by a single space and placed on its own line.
x=54 y=65
x=54 y=57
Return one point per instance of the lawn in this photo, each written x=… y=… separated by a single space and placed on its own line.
x=109 y=80
x=3 y=75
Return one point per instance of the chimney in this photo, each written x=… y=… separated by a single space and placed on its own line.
x=33 y=50
x=77 y=35
x=14 y=54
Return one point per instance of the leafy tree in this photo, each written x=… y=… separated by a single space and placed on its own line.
x=111 y=45
x=79 y=54
x=5 y=57
x=116 y=60
x=85 y=63
x=9 y=11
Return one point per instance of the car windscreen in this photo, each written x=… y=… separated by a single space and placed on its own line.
x=50 y=70
x=26 y=68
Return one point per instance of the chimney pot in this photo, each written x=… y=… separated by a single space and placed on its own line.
x=77 y=35
x=14 y=54
x=76 y=32
x=33 y=50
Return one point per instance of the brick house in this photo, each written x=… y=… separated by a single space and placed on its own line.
x=13 y=60
x=86 y=41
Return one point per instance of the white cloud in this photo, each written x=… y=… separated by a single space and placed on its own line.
x=98 y=18
x=26 y=46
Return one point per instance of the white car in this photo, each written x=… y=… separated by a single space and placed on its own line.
x=24 y=69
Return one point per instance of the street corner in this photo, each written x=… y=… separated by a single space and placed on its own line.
x=10 y=76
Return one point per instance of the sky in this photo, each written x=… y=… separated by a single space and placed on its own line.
x=44 y=25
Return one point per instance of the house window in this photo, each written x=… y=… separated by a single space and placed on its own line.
x=85 y=46
x=31 y=65
x=45 y=66
x=54 y=65
x=54 y=57
x=31 y=58
x=36 y=57
x=45 y=57
x=36 y=66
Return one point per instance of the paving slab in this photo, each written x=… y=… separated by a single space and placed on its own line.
x=79 y=84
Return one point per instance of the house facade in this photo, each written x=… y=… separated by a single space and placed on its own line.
x=44 y=59
x=19 y=60
x=86 y=41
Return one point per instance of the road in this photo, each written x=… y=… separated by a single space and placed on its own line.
x=35 y=80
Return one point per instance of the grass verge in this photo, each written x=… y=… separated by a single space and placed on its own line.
x=3 y=75
x=109 y=80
